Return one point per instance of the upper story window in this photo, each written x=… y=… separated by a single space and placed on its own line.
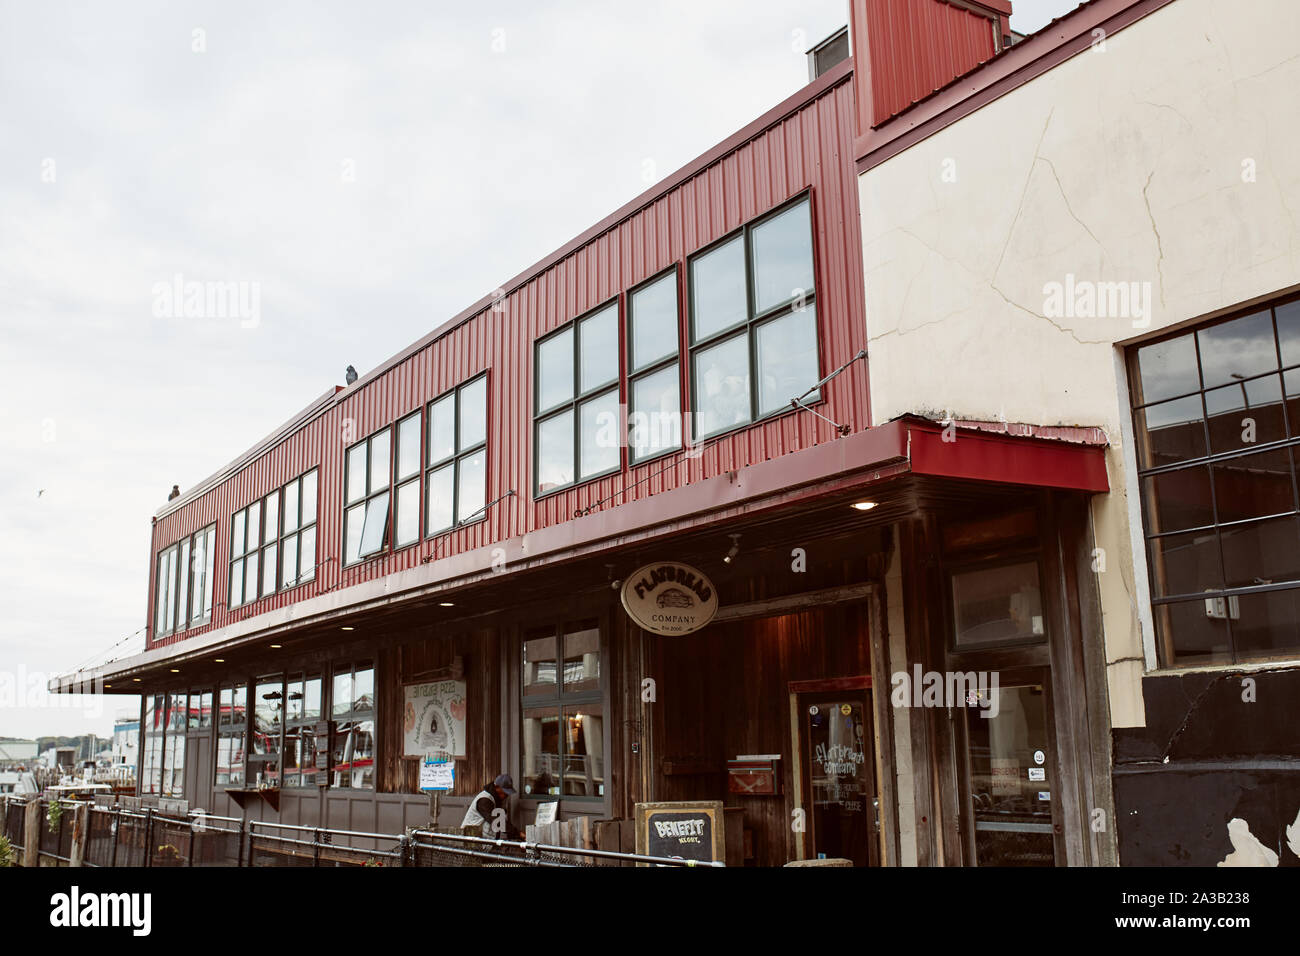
x=369 y=488
x=183 y=590
x=653 y=369
x=576 y=411
x=456 y=489
x=298 y=531
x=1216 y=416
x=753 y=321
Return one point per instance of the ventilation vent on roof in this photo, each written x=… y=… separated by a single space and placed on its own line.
x=834 y=49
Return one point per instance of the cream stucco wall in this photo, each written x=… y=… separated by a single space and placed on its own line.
x=1171 y=157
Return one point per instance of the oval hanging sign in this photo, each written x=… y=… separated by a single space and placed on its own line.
x=669 y=598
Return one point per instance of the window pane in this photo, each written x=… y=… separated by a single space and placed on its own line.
x=311 y=699
x=236 y=583
x=1245 y=414
x=354 y=755
x=160 y=594
x=1178 y=500
x=439 y=499
x=1185 y=563
x=379 y=461
x=442 y=429
x=198 y=577
x=356 y=472
x=473 y=414
x=250 y=577
x=655 y=418
x=598 y=348
x=539 y=666
x=341 y=700
x=289 y=562
x=408 y=513
x=555 y=370
x=1267 y=625
x=375 y=530
x=1253 y=486
x=600 y=434
x=1171 y=432
x=555 y=452
x=271 y=524
x=1190 y=635
x=1166 y=369
x=581 y=658
x=783 y=262
x=363 y=689
x=584 y=748
x=1288 y=331
x=237 y=534
x=171 y=588
x=268 y=711
x=291 y=506
x=183 y=586
x=654 y=322
x=408 y=446
x=718 y=299
x=209 y=579
x=253 y=540
x=1262 y=552
x=996 y=605
x=307 y=555
x=268 y=569
x=1238 y=349
x=541 y=747
x=355 y=521
x=309 y=497
x=787 y=359
x=205 y=710
x=472 y=486
x=721 y=385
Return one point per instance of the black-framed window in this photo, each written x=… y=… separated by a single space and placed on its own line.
x=298 y=530
x=563 y=712
x=575 y=400
x=654 y=368
x=245 y=555
x=369 y=491
x=753 y=321
x=1216 y=417
x=352 y=708
x=183 y=589
x=303 y=710
x=456 y=469
x=232 y=722
x=406 y=478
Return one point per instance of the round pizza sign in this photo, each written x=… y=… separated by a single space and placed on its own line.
x=669 y=598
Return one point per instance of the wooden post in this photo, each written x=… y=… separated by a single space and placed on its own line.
x=32 y=823
x=80 y=831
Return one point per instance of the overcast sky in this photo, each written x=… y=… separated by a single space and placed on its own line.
x=374 y=168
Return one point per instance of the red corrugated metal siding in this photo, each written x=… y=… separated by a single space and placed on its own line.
x=810 y=148
x=912 y=48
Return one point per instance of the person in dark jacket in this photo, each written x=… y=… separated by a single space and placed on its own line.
x=482 y=809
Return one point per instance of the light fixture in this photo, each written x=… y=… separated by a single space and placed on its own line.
x=108 y=685
x=136 y=679
x=446 y=604
x=220 y=660
x=865 y=505
x=735 y=549
x=347 y=628
x=175 y=670
x=276 y=647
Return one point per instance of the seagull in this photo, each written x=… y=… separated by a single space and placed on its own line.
x=351 y=375
x=40 y=492
x=175 y=492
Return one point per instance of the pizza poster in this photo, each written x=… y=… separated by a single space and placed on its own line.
x=433 y=719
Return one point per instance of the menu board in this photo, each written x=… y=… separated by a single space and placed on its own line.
x=683 y=830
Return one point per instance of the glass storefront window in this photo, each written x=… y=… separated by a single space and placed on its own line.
x=563 y=732
x=997 y=605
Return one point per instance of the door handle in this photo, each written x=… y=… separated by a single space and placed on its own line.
x=875 y=813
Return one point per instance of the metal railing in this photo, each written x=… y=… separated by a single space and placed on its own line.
x=118 y=837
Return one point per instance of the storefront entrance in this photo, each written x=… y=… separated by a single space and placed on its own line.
x=835 y=744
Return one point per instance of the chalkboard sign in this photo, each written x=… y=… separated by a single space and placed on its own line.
x=684 y=830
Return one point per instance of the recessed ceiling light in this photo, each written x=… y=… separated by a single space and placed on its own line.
x=347 y=628
x=175 y=670
x=136 y=679
x=276 y=647
x=108 y=685
x=865 y=505
x=221 y=660
x=446 y=604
